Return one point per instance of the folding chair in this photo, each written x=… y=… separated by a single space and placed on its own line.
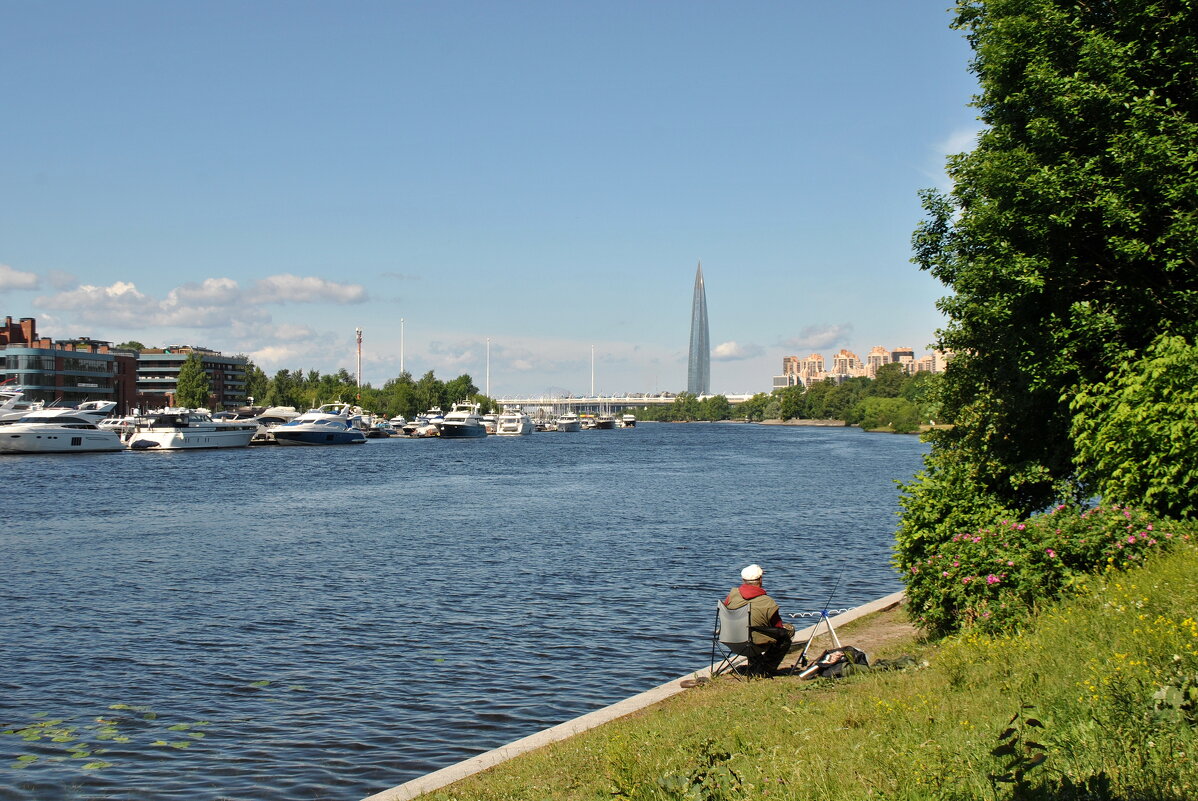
x=732 y=640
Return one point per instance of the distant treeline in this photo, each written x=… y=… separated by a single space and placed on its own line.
x=400 y=395
x=893 y=400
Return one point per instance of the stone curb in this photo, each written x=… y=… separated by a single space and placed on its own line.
x=448 y=775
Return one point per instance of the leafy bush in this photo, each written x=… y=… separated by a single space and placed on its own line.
x=990 y=579
x=1134 y=435
x=897 y=414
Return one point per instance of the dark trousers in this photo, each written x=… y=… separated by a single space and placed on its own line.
x=767 y=662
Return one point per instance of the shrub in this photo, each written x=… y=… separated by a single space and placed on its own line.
x=1135 y=436
x=991 y=578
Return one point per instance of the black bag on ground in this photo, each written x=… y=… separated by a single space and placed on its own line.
x=837 y=663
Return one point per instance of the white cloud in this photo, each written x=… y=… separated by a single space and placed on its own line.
x=119 y=304
x=12 y=278
x=734 y=352
x=288 y=288
x=815 y=337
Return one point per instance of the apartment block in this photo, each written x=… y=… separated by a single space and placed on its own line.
x=158 y=376
x=66 y=372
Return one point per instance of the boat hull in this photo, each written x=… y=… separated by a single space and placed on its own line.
x=189 y=440
x=323 y=436
x=64 y=440
x=452 y=430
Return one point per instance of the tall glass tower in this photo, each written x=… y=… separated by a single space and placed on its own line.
x=698 y=370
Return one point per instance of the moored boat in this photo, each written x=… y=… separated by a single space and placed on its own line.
x=513 y=422
x=463 y=421
x=329 y=424
x=569 y=422
x=56 y=431
x=184 y=429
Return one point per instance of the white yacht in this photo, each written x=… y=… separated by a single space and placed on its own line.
x=269 y=417
x=12 y=408
x=329 y=424
x=186 y=429
x=627 y=421
x=463 y=421
x=569 y=422
x=425 y=425
x=56 y=431
x=513 y=422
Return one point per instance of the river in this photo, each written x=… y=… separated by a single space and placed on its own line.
x=324 y=623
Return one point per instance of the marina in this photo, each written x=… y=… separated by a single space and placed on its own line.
x=285 y=615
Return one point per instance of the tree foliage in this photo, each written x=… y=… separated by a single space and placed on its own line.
x=1136 y=436
x=192 y=386
x=1069 y=239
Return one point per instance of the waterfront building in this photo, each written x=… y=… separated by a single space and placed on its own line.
x=158 y=375
x=846 y=364
x=66 y=372
x=877 y=357
x=698 y=369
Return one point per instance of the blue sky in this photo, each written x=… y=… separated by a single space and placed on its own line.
x=263 y=177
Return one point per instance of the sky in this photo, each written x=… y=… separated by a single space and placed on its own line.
x=265 y=177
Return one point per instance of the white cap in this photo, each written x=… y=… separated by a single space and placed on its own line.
x=751 y=573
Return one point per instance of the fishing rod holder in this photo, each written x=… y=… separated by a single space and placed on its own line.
x=825 y=620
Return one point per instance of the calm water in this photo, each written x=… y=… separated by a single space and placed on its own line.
x=302 y=623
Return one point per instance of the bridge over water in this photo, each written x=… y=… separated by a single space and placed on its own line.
x=601 y=403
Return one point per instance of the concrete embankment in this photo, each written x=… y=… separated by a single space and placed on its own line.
x=489 y=759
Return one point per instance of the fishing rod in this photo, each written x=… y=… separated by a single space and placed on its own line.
x=823 y=615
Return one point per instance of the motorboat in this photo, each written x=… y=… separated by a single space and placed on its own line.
x=490 y=422
x=425 y=425
x=628 y=421
x=463 y=421
x=513 y=422
x=604 y=422
x=12 y=408
x=569 y=422
x=56 y=431
x=268 y=418
x=398 y=422
x=328 y=424
x=185 y=429
x=382 y=429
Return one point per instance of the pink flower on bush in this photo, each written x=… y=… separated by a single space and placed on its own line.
x=1051 y=553
x=967 y=579
x=956 y=563
x=992 y=579
x=1132 y=538
x=1021 y=527
x=1010 y=563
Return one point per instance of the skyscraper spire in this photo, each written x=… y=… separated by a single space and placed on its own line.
x=698 y=371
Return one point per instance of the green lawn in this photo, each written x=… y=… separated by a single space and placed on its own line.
x=1080 y=682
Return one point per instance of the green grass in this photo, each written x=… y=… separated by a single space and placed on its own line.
x=1085 y=670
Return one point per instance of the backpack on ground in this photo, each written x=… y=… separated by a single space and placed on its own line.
x=837 y=663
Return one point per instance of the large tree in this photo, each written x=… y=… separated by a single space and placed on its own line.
x=1069 y=240
x=192 y=386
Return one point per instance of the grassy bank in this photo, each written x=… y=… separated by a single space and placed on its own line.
x=1079 y=682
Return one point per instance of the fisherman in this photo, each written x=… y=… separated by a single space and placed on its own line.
x=765 y=621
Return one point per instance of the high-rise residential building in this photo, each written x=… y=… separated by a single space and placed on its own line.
x=698 y=369
x=877 y=357
x=845 y=364
x=811 y=369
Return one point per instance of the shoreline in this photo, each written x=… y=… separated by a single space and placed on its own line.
x=446 y=776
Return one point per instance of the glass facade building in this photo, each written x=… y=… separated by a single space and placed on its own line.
x=698 y=370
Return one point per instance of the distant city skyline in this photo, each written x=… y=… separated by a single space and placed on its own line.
x=543 y=176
